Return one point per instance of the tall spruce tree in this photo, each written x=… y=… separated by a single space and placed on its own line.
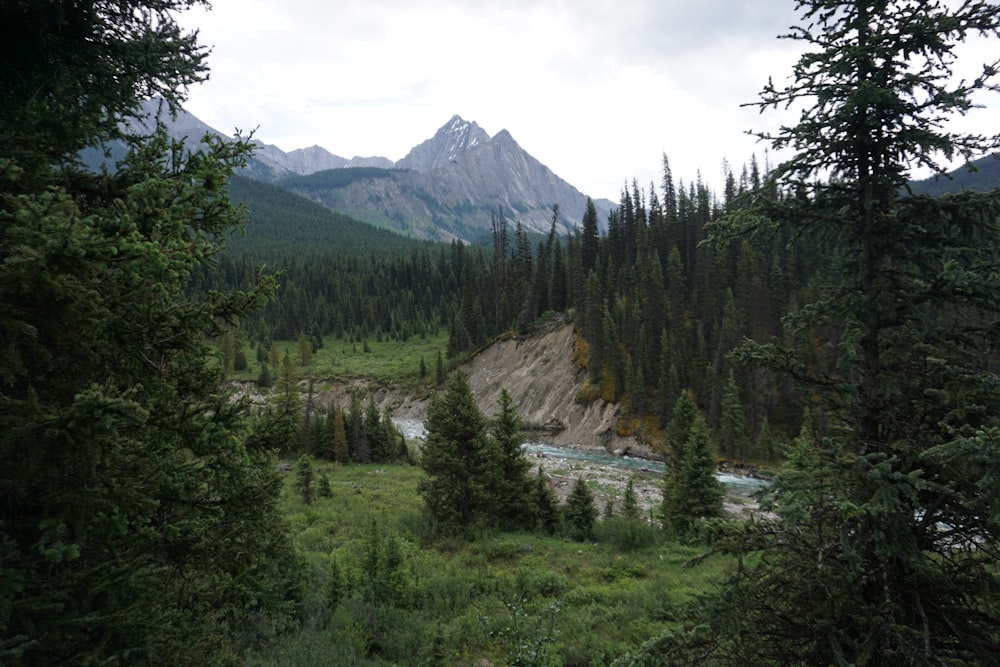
x=691 y=490
x=512 y=487
x=456 y=459
x=580 y=511
x=341 y=452
x=887 y=529
x=140 y=522
x=545 y=504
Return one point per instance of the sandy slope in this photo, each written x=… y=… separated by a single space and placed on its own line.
x=539 y=373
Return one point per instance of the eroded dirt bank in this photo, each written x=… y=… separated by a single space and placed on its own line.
x=539 y=373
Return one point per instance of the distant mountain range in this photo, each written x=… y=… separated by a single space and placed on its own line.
x=451 y=186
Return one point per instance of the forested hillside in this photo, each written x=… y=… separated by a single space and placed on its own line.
x=281 y=224
x=980 y=175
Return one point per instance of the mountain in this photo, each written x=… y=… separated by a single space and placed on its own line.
x=456 y=137
x=450 y=186
x=980 y=175
x=270 y=163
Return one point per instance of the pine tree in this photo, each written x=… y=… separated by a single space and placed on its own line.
x=511 y=486
x=630 y=503
x=546 y=507
x=354 y=425
x=304 y=477
x=323 y=487
x=580 y=511
x=227 y=347
x=285 y=424
x=690 y=486
x=341 y=450
x=140 y=519
x=305 y=350
x=590 y=239
x=679 y=432
x=732 y=422
x=609 y=509
x=455 y=458
x=439 y=371
x=264 y=378
x=592 y=326
x=379 y=442
x=239 y=352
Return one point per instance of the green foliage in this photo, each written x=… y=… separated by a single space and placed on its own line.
x=502 y=597
x=512 y=486
x=630 y=504
x=283 y=224
x=685 y=412
x=691 y=491
x=881 y=549
x=455 y=457
x=323 y=489
x=545 y=505
x=54 y=63
x=340 y=451
x=140 y=517
x=304 y=477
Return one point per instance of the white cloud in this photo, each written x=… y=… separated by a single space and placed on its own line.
x=595 y=89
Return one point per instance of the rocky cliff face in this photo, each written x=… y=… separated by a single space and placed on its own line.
x=543 y=381
x=456 y=137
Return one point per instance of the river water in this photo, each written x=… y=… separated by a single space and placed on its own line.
x=414 y=428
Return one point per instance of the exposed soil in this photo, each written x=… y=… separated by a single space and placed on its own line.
x=539 y=373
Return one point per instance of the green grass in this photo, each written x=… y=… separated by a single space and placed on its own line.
x=339 y=360
x=454 y=602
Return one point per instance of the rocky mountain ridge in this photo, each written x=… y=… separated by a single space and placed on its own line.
x=448 y=187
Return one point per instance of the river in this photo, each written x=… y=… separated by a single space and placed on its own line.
x=414 y=429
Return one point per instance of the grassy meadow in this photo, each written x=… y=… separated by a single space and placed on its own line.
x=341 y=359
x=382 y=589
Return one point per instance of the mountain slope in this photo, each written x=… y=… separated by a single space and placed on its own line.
x=282 y=224
x=451 y=187
x=980 y=175
x=446 y=188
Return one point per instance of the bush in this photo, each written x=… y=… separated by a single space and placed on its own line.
x=627 y=534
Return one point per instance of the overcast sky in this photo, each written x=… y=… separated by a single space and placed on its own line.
x=597 y=90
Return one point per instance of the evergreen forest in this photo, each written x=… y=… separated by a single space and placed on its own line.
x=174 y=490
